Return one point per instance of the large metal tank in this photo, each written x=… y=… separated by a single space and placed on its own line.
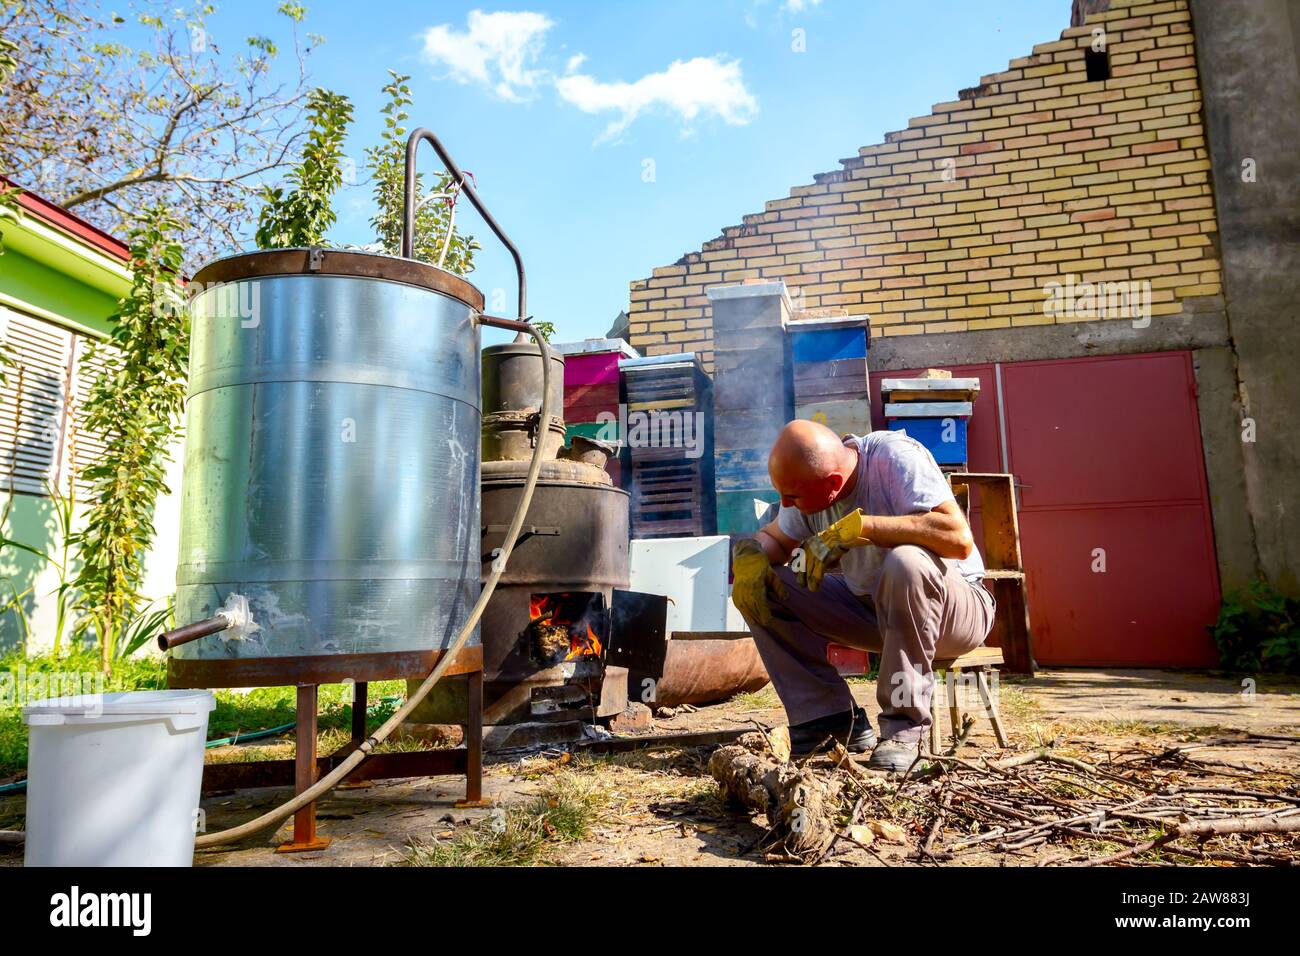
x=331 y=467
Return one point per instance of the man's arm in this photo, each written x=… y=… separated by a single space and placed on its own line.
x=943 y=530
x=776 y=544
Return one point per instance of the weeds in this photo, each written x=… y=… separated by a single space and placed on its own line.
x=526 y=835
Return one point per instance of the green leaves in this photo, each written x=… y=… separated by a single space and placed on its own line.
x=436 y=239
x=1259 y=631
x=136 y=404
x=304 y=214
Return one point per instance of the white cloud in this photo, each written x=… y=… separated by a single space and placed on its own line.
x=497 y=50
x=703 y=85
x=799 y=6
x=503 y=52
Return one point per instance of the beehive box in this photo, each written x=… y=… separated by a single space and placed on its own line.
x=753 y=395
x=670 y=445
x=934 y=411
x=593 y=395
x=830 y=372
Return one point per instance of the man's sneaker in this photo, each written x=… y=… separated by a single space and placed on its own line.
x=895 y=755
x=851 y=728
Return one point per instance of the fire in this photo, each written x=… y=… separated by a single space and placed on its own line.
x=585 y=647
x=553 y=628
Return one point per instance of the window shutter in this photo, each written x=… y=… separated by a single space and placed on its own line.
x=43 y=433
x=34 y=401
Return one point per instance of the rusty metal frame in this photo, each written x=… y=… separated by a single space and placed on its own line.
x=315 y=669
x=307 y=766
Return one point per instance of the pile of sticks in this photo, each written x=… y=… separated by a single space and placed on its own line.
x=1156 y=805
x=1131 y=806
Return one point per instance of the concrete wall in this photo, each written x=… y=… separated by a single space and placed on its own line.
x=1249 y=58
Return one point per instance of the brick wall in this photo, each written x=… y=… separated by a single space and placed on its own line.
x=959 y=221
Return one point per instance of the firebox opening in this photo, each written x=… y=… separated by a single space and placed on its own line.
x=567 y=626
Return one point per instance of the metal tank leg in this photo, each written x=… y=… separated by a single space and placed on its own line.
x=304 y=821
x=360 y=701
x=474 y=744
x=360 y=705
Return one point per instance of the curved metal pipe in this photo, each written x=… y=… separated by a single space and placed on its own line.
x=408 y=221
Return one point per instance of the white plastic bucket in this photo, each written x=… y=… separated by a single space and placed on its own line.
x=114 y=779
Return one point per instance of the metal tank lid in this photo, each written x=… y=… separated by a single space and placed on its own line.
x=339 y=262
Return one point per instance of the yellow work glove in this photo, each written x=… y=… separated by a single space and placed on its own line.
x=822 y=551
x=751 y=575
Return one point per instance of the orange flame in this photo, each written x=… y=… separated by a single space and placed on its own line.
x=585 y=647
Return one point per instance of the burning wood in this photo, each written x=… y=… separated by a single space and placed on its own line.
x=560 y=628
x=552 y=640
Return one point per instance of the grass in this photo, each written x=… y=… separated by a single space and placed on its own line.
x=525 y=835
x=140 y=673
x=236 y=712
x=619 y=793
x=285 y=747
x=245 y=711
x=763 y=699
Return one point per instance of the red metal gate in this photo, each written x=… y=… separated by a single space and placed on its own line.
x=1114 y=513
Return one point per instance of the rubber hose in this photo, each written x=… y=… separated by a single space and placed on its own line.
x=336 y=776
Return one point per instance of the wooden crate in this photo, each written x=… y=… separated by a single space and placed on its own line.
x=843 y=379
x=1005 y=571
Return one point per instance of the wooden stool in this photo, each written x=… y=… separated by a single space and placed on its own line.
x=978 y=661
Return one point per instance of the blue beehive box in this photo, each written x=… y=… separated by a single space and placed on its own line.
x=829 y=343
x=944 y=437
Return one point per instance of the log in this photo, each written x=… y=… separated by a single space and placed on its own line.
x=799 y=805
x=1270 y=824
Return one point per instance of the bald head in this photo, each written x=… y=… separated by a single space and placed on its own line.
x=810 y=466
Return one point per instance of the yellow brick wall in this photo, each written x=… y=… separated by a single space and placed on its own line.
x=1046 y=175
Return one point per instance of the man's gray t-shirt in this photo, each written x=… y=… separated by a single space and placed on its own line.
x=897 y=476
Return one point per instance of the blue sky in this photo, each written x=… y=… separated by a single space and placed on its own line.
x=558 y=108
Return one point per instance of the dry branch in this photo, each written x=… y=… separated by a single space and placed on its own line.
x=1142 y=801
x=799 y=803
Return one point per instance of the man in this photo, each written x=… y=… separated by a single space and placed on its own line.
x=909 y=586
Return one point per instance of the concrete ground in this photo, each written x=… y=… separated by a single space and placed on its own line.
x=662 y=808
x=1184 y=697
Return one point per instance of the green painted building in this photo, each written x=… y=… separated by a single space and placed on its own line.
x=60 y=282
